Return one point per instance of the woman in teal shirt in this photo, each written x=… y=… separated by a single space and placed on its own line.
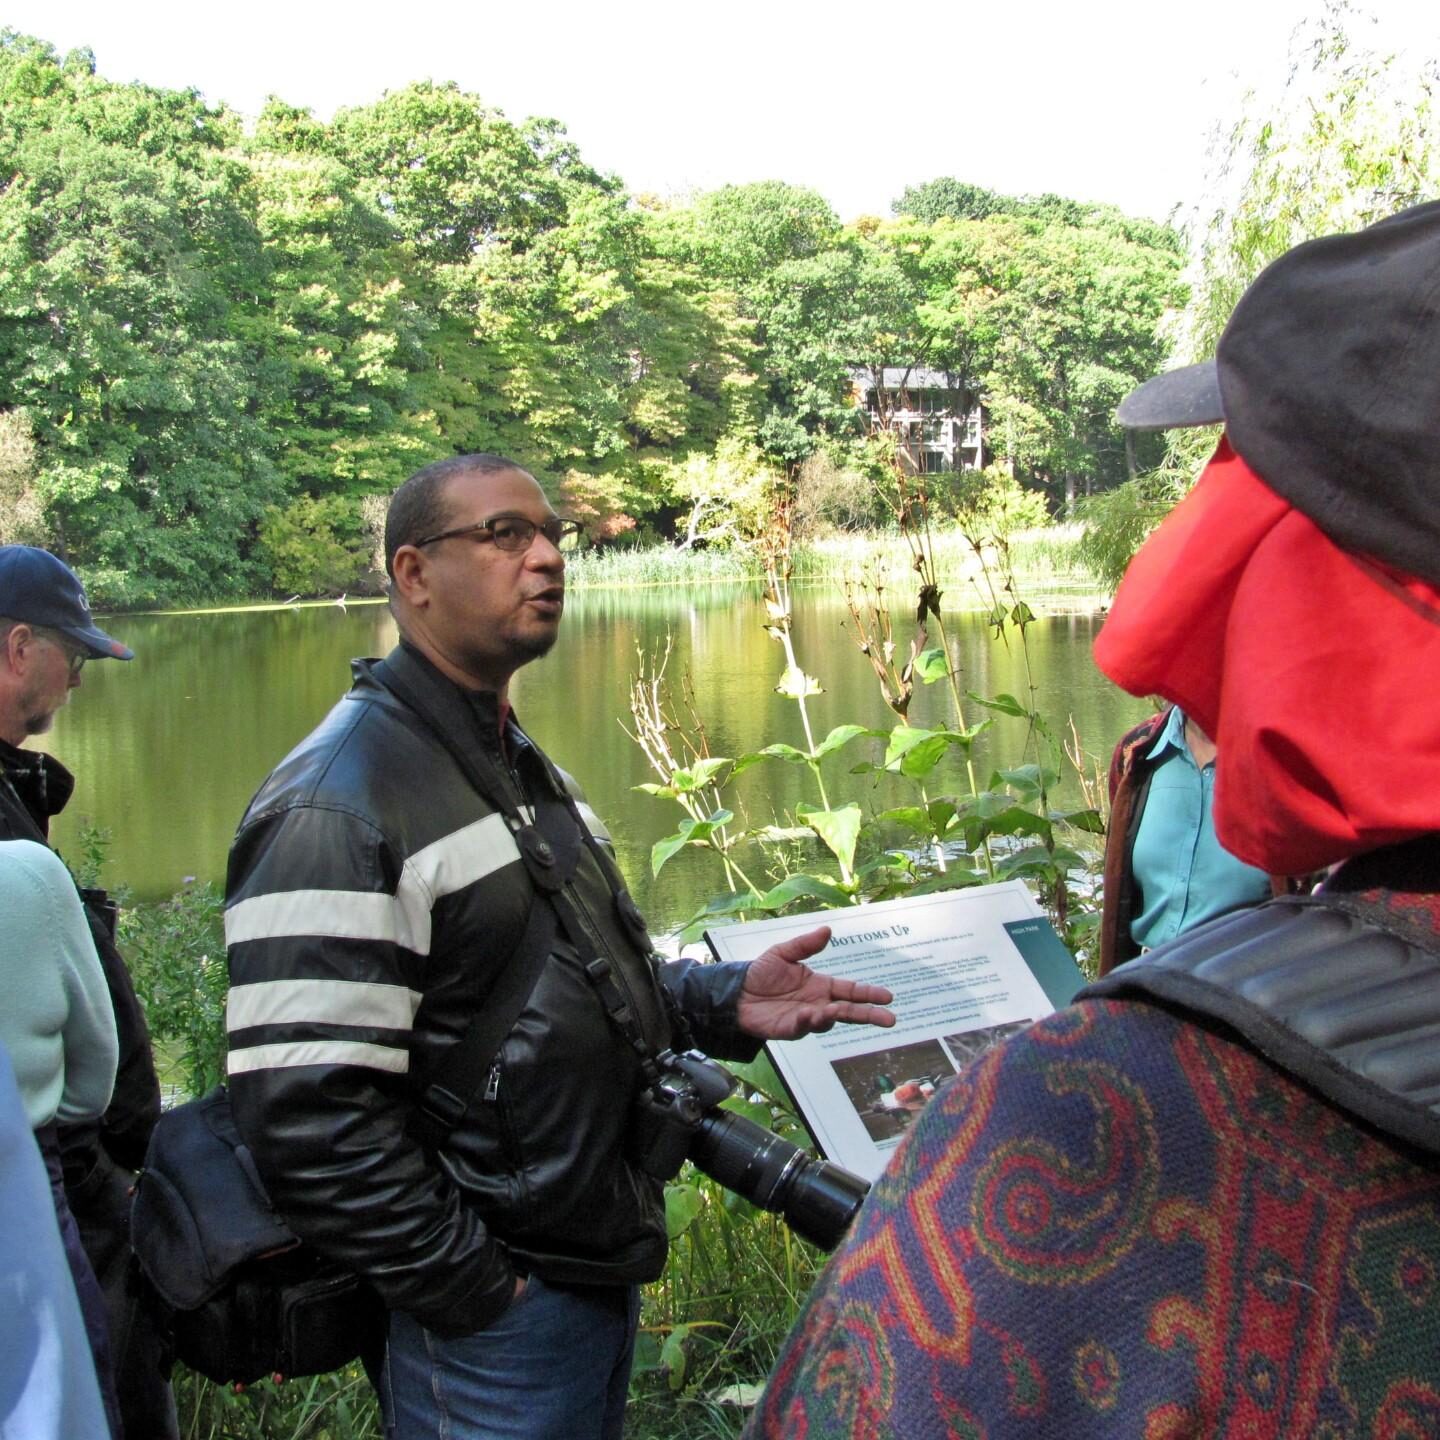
x=1165 y=871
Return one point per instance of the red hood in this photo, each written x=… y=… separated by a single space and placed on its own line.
x=1309 y=666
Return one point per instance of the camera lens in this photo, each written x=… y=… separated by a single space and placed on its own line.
x=817 y=1199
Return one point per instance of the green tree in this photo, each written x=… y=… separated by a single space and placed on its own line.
x=948 y=198
x=22 y=515
x=778 y=250
x=1048 y=323
x=1077 y=327
x=128 y=260
x=344 y=336
x=317 y=547
x=559 y=332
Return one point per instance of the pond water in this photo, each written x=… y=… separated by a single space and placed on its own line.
x=168 y=749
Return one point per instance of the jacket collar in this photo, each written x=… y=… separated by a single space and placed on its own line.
x=40 y=783
x=466 y=722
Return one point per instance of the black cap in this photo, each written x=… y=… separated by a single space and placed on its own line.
x=42 y=590
x=1327 y=380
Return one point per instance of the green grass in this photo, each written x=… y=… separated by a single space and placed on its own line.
x=656 y=565
x=1045 y=562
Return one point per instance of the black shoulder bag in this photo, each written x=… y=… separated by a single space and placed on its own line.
x=249 y=1298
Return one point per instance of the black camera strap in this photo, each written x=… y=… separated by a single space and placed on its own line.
x=550 y=840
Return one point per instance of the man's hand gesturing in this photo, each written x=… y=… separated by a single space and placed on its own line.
x=784 y=998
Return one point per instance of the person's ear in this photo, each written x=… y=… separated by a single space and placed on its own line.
x=17 y=642
x=410 y=569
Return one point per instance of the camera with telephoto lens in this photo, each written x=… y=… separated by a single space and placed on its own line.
x=678 y=1118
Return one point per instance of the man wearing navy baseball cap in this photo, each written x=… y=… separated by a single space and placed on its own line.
x=47 y=635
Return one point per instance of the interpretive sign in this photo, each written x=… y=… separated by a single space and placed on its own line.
x=967 y=968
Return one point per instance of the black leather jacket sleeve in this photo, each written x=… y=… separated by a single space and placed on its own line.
x=708 y=996
x=324 y=993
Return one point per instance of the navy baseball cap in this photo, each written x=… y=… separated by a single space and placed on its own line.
x=40 y=589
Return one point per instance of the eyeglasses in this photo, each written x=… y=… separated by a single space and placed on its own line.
x=75 y=659
x=514 y=533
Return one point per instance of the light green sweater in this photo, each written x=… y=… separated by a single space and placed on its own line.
x=55 y=1013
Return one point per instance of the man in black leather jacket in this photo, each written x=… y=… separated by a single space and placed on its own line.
x=376 y=893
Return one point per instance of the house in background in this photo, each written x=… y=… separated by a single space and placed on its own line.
x=936 y=431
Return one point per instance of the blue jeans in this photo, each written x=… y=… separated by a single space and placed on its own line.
x=554 y=1366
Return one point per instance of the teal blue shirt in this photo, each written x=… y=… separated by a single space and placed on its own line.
x=1183 y=874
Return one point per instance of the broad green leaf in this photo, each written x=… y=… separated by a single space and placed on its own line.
x=749 y=1110
x=1018 y=821
x=842 y=735
x=806 y=887
x=916 y=752
x=920 y=760
x=1025 y=780
x=705 y=771
x=912 y=817
x=1087 y=820
x=682 y=1204
x=985 y=804
x=892 y=861
x=647 y=1354
x=698 y=775
x=786 y=752
x=664 y=792
x=662 y=850
x=719 y=907
x=978 y=813
x=904 y=738
x=955 y=878
x=728 y=904
x=744 y=762
x=713 y=821
x=839 y=829
x=691 y=832
x=1005 y=704
x=1028 y=780
x=672 y=1356
x=932 y=665
x=1032 y=860
x=942 y=815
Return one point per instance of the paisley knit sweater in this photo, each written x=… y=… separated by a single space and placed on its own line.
x=1125 y=1222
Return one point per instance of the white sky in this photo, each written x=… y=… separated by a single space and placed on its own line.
x=1111 y=100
